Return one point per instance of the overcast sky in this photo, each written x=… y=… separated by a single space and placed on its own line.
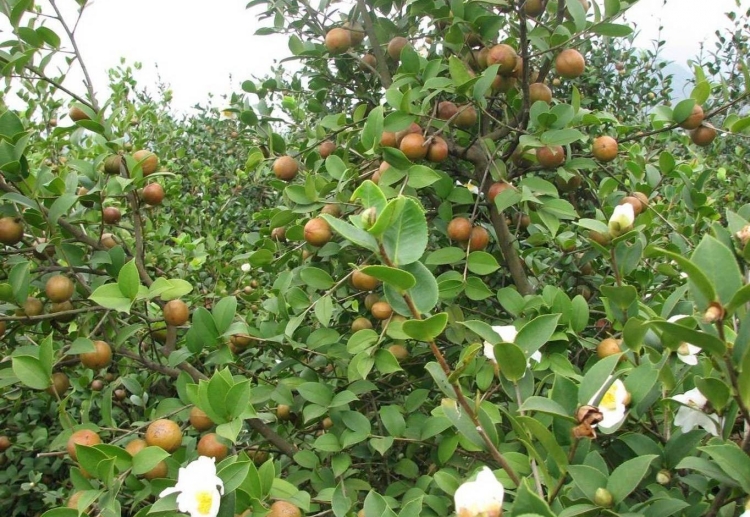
x=198 y=44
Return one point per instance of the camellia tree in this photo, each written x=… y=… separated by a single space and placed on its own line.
x=471 y=258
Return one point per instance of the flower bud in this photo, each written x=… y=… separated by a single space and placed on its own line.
x=603 y=498
x=369 y=217
x=622 y=219
x=714 y=313
x=663 y=477
x=744 y=235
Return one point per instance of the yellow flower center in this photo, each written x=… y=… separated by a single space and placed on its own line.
x=205 y=499
x=608 y=400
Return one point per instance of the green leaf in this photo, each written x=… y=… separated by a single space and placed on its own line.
x=424 y=294
x=715 y=390
x=392 y=419
x=340 y=502
x=587 y=479
x=60 y=207
x=352 y=233
x=720 y=266
x=528 y=503
x=398 y=278
x=461 y=420
x=316 y=393
x=420 y=176
x=128 y=281
x=482 y=263
x=561 y=136
x=426 y=330
x=324 y=310
x=459 y=71
x=483 y=330
x=224 y=312
x=31 y=372
x=49 y=36
x=10 y=125
x=627 y=476
x=109 y=296
x=536 y=333
x=20 y=277
x=511 y=360
x=396 y=158
x=482 y=86
x=613 y=30
x=443 y=256
x=700 y=286
x=622 y=296
x=611 y=8
x=733 y=461
x=405 y=240
x=545 y=405
x=316 y=278
x=594 y=380
x=739 y=299
x=441 y=380
x=336 y=167
x=234 y=475
x=703 y=340
x=397 y=121
x=683 y=110
x=701 y=92
x=147 y=459
x=169 y=289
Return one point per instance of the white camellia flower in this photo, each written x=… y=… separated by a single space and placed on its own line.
x=245 y=267
x=687 y=352
x=481 y=497
x=622 y=219
x=508 y=334
x=199 y=488
x=691 y=415
x=469 y=185
x=613 y=403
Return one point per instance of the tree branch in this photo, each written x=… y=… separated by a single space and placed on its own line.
x=71 y=37
x=385 y=74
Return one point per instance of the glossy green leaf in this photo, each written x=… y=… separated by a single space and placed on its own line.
x=405 y=240
x=128 y=280
x=352 y=233
x=316 y=278
x=703 y=340
x=628 y=476
x=424 y=294
x=109 y=296
x=482 y=263
x=511 y=360
x=396 y=277
x=428 y=329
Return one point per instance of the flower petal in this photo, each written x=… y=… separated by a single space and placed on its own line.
x=489 y=352
x=507 y=333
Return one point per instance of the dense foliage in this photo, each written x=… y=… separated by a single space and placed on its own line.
x=458 y=235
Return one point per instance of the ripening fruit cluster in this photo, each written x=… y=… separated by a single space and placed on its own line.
x=474 y=237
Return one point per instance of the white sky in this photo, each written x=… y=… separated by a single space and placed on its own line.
x=198 y=44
